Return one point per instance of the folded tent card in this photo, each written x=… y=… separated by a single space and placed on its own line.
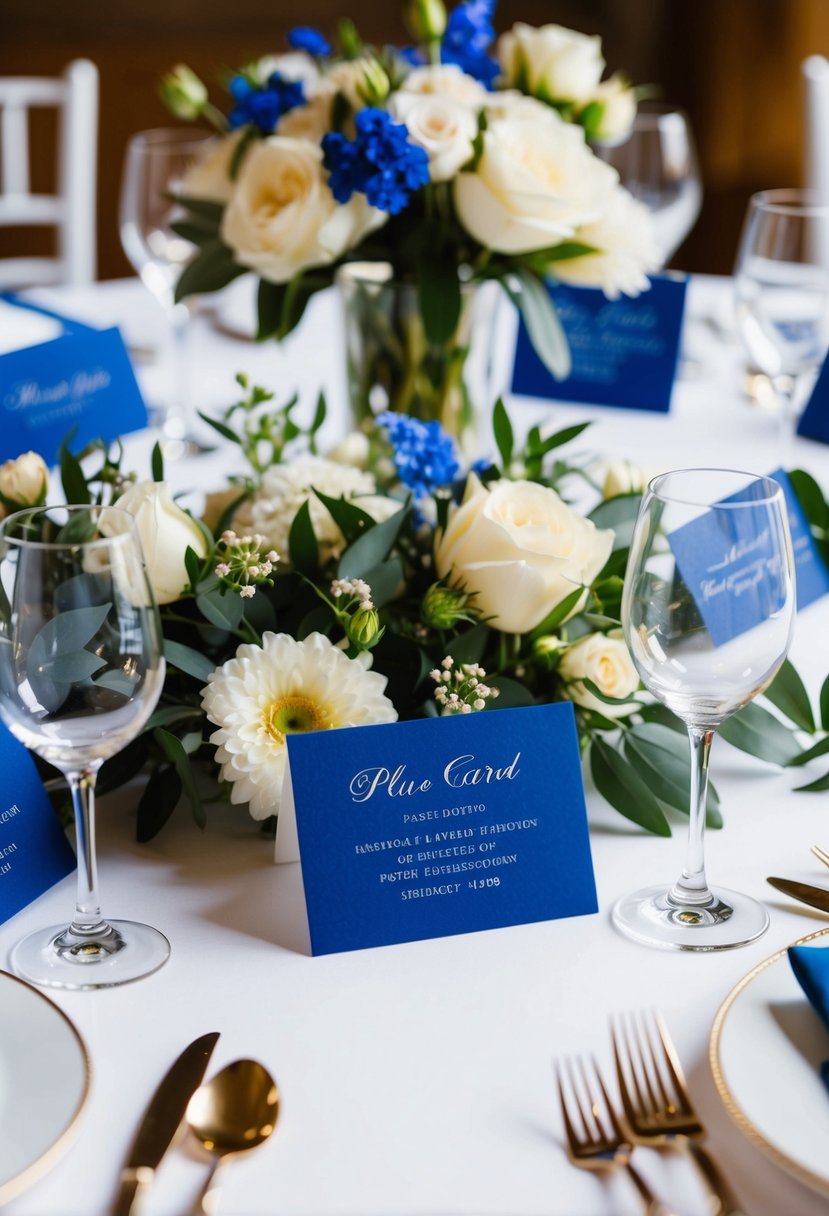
x=424 y=829
x=57 y=374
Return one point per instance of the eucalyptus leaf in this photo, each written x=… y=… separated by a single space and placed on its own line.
x=544 y=327
x=824 y=704
x=560 y=613
x=302 y=543
x=222 y=609
x=174 y=750
x=211 y=268
x=191 y=662
x=74 y=668
x=72 y=477
x=619 y=514
x=665 y=764
x=385 y=581
x=469 y=646
x=116 y=681
x=349 y=517
x=812 y=753
x=157 y=803
x=618 y=781
x=221 y=428
x=788 y=694
x=756 y=731
x=511 y=693
x=502 y=430
x=372 y=548
x=815 y=787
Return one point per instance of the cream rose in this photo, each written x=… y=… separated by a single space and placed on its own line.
x=282 y=217
x=24 y=481
x=626 y=249
x=449 y=81
x=509 y=103
x=618 y=100
x=166 y=532
x=551 y=62
x=605 y=660
x=351 y=78
x=210 y=176
x=443 y=128
x=521 y=549
x=623 y=477
x=313 y=120
x=533 y=186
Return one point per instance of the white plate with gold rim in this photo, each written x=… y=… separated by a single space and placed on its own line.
x=44 y=1083
x=766 y=1047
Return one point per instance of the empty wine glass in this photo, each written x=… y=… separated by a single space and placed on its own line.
x=155 y=168
x=708 y=614
x=658 y=165
x=781 y=282
x=81 y=669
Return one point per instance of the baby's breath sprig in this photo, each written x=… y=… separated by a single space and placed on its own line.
x=242 y=565
x=461 y=690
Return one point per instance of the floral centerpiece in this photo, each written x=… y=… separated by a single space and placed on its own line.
x=384 y=580
x=440 y=165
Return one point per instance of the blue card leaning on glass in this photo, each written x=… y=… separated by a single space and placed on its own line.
x=810 y=965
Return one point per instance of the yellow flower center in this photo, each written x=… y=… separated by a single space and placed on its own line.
x=293 y=716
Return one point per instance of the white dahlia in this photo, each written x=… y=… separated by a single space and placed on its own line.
x=285 y=487
x=280 y=688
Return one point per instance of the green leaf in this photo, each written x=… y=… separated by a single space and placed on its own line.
x=74 y=668
x=157 y=803
x=824 y=704
x=619 y=514
x=193 y=566
x=302 y=543
x=190 y=661
x=811 y=498
x=173 y=748
x=665 y=758
x=814 y=787
x=469 y=646
x=512 y=694
x=72 y=477
x=194 y=232
x=756 y=731
x=223 y=429
x=385 y=581
x=172 y=713
x=211 y=268
x=439 y=297
x=205 y=208
x=600 y=696
x=221 y=607
x=372 y=548
x=157 y=463
x=558 y=614
x=502 y=430
x=280 y=306
x=617 y=781
x=561 y=437
x=813 y=753
x=789 y=695
x=565 y=251
x=544 y=327
x=348 y=516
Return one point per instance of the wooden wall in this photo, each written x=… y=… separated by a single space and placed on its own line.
x=733 y=64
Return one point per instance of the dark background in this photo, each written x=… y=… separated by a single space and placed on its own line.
x=734 y=65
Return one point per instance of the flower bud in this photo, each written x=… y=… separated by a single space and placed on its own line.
x=443 y=607
x=426 y=19
x=24 y=481
x=183 y=93
x=374 y=86
x=364 y=629
x=549 y=648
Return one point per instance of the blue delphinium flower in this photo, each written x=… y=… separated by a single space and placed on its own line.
x=380 y=162
x=469 y=34
x=306 y=38
x=424 y=455
x=263 y=105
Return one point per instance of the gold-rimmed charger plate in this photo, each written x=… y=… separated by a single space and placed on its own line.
x=766 y=1047
x=45 y=1076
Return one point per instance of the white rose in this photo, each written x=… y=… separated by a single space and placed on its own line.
x=551 y=62
x=210 y=176
x=510 y=103
x=313 y=120
x=604 y=659
x=533 y=186
x=165 y=531
x=350 y=77
x=623 y=477
x=618 y=100
x=443 y=128
x=24 y=481
x=293 y=65
x=282 y=217
x=626 y=249
x=449 y=81
x=354 y=449
x=521 y=549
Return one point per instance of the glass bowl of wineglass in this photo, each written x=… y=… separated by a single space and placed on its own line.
x=81 y=670
x=708 y=613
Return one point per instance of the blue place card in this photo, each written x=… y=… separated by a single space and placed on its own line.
x=814 y=421
x=624 y=351
x=425 y=829
x=34 y=851
x=82 y=379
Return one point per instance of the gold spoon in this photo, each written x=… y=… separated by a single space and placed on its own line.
x=821 y=854
x=232 y=1112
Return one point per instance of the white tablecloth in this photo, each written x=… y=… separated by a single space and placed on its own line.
x=419 y=1078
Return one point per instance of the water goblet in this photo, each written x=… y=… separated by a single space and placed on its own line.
x=781 y=282
x=708 y=614
x=81 y=669
x=156 y=166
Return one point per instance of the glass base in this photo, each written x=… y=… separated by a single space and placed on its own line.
x=651 y=917
x=58 y=958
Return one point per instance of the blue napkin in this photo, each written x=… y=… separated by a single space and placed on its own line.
x=810 y=965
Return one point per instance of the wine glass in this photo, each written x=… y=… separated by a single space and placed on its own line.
x=658 y=165
x=81 y=669
x=708 y=614
x=781 y=281
x=155 y=168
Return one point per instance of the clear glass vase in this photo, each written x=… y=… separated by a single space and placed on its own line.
x=392 y=365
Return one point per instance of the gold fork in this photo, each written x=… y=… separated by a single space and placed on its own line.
x=656 y=1101
x=596 y=1138
x=820 y=854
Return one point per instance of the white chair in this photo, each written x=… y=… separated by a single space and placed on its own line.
x=71 y=211
x=815 y=72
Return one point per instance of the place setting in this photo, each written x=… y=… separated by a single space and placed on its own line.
x=403 y=669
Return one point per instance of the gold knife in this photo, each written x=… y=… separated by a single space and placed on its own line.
x=161 y=1121
x=815 y=897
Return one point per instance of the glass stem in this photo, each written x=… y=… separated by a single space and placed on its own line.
x=179 y=401
x=88 y=921
x=692 y=887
